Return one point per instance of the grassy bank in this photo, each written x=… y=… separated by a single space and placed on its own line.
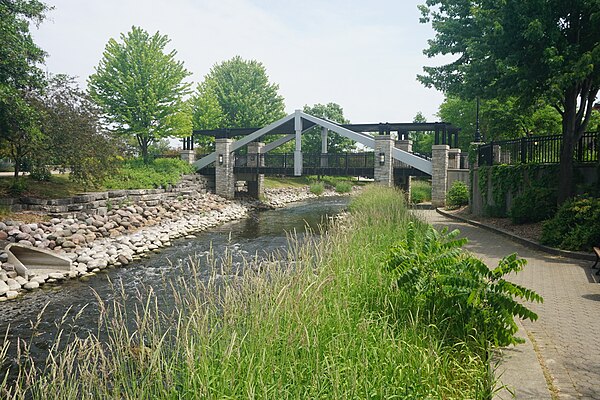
x=329 y=319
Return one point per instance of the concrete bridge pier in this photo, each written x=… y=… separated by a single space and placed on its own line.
x=256 y=183
x=384 y=163
x=439 y=176
x=224 y=176
x=405 y=181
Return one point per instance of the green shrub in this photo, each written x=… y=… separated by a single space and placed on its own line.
x=343 y=187
x=576 y=225
x=317 y=188
x=420 y=191
x=458 y=195
x=134 y=174
x=533 y=205
x=457 y=291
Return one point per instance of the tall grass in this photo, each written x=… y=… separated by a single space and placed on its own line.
x=323 y=320
x=420 y=191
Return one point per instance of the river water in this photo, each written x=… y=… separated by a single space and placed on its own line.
x=261 y=234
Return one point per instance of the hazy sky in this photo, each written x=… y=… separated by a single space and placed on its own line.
x=363 y=55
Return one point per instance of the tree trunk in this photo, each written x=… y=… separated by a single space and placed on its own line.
x=144 y=148
x=565 y=175
x=17 y=170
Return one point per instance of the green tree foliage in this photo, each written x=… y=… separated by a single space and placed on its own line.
x=19 y=77
x=535 y=49
x=422 y=141
x=206 y=114
x=72 y=137
x=237 y=94
x=140 y=87
x=498 y=119
x=311 y=140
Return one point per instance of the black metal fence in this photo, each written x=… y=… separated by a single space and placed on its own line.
x=286 y=160
x=538 y=149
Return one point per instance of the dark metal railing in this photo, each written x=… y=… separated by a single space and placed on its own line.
x=286 y=160
x=538 y=149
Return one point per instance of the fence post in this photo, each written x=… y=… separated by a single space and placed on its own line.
x=524 y=150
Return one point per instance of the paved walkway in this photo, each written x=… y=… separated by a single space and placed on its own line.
x=565 y=340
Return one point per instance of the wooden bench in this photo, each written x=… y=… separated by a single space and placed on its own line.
x=597 y=251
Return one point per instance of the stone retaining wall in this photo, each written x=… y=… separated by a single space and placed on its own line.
x=102 y=202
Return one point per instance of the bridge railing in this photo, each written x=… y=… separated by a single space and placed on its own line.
x=330 y=160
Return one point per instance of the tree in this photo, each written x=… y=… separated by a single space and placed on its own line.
x=72 y=137
x=498 y=120
x=237 y=94
x=534 y=49
x=422 y=141
x=311 y=140
x=140 y=89
x=20 y=126
x=19 y=76
x=206 y=114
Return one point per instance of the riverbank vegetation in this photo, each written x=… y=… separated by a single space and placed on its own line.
x=420 y=191
x=330 y=318
x=127 y=174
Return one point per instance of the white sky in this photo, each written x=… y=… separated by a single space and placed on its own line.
x=363 y=55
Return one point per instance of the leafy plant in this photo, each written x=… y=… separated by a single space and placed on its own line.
x=576 y=225
x=533 y=205
x=134 y=174
x=317 y=188
x=457 y=290
x=458 y=195
x=343 y=187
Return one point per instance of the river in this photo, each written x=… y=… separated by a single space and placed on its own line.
x=261 y=234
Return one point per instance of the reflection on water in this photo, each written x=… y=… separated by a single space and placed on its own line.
x=261 y=234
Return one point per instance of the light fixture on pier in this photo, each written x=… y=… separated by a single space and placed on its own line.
x=220 y=159
x=381 y=158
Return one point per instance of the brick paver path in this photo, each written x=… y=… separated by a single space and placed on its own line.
x=568 y=329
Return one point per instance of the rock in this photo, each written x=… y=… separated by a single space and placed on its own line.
x=13 y=284
x=12 y=274
x=77 y=239
x=67 y=244
x=56 y=275
x=3 y=235
x=84 y=259
x=3 y=288
x=31 y=285
x=123 y=259
x=3 y=276
x=11 y=294
x=20 y=280
x=8 y=267
x=25 y=229
x=40 y=280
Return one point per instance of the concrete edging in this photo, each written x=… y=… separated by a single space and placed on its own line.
x=525 y=242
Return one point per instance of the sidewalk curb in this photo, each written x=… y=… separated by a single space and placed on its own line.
x=525 y=242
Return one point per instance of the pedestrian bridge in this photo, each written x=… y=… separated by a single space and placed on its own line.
x=389 y=162
x=333 y=164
